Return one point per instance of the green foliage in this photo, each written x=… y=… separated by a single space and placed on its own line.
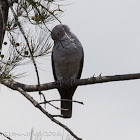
x=7 y=64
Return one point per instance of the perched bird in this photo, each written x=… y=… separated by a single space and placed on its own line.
x=67 y=64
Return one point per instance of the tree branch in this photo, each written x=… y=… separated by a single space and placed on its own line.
x=5 y=136
x=59 y=100
x=79 y=82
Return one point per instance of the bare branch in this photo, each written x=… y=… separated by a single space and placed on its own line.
x=79 y=82
x=5 y=136
x=58 y=116
x=53 y=106
x=61 y=100
x=49 y=102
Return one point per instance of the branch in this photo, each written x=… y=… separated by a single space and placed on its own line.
x=79 y=82
x=49 y=102
x=53 y=106
x=37 y=105
x=5 y=136
x=59 y=100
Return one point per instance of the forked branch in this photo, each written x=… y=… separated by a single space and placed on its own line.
x=22 y=88
x=37 y=105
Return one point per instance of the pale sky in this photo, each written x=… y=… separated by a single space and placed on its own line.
x=110 y=34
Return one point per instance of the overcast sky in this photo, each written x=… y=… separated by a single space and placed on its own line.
x=109 y=31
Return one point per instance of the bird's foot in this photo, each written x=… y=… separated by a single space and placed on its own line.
x=60 y=82
x=71 y=81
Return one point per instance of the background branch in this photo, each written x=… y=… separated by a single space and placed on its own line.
x=5 y=136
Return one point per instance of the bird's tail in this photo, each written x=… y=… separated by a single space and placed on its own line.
x=66 y=94
x=68 y=106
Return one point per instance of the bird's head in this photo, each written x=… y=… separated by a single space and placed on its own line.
x=59 y=31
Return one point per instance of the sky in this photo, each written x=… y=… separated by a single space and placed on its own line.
x=110 y=35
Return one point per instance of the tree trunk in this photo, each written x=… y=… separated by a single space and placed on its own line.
x=4 y=8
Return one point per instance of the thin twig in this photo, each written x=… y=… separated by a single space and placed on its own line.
x=58 y=116
x=5 y=136
x=62 y=100
x=53 y=106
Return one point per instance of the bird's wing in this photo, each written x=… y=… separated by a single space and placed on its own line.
x=81 y=66
x=77 y=42
x=53 y=67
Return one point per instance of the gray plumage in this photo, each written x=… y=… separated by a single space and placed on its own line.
x=67 y=63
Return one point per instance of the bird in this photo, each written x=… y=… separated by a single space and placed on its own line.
x=67 y=64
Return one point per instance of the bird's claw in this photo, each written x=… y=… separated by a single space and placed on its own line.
x=71 y=81
x=60 y=82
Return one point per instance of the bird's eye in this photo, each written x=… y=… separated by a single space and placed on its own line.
x=58 y=34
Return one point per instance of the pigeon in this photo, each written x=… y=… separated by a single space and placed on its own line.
x=67 y=64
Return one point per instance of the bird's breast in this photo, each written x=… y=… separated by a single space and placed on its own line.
x=67 y=62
